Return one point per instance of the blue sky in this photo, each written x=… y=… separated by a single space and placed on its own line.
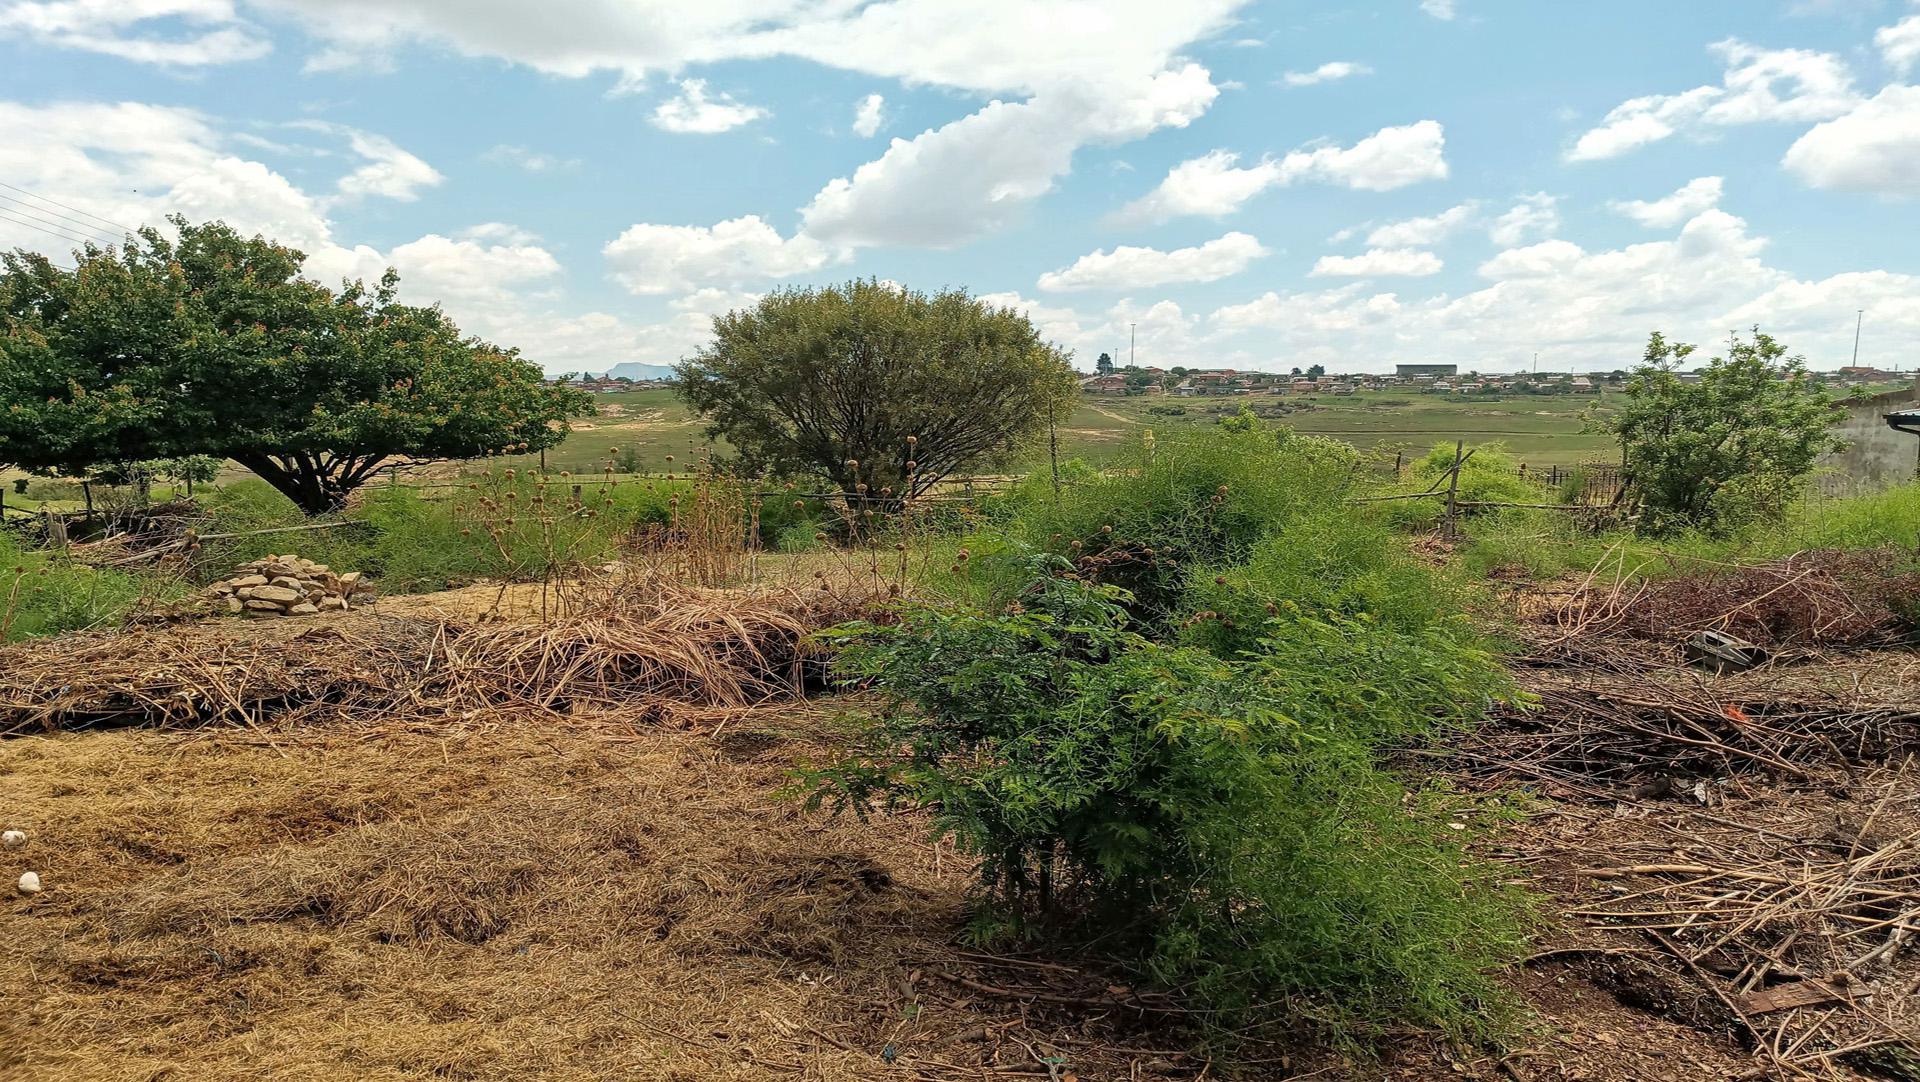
x=1257 y=185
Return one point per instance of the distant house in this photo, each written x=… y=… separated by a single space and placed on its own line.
x=1409 y=371
x=1303 y=386
x=1583 y=385
x=1343 y=388
x=1104 y=385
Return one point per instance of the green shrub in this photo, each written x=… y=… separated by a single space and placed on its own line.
x=1222 y=822
x=1331 y=563
x=1489 y=475
x=1169 y=506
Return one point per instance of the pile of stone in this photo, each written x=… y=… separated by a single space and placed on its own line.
x=284 y=586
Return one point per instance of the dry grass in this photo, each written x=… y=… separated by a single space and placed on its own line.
x=530 y=901
x=513 y=905
x=617 y=642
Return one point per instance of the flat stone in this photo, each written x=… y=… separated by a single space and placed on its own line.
x=332 y=604
x=303 y=609
x=248 y=580
x=261 y=606
x=234 y=604
x=278 y=595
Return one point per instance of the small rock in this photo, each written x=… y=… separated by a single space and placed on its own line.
x=287 y=582
x=29 y=883
x=332 y=604
x=262 y=606
x=303 y=609
x=276 y=593
x=234 y=604
x=13 y=839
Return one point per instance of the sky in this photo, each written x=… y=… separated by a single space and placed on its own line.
x=1218 y=183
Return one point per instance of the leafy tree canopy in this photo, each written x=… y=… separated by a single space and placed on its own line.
x=875 y=385
x=213 y=344
x=1728 y=447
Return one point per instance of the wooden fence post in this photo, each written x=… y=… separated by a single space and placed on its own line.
x=1452 y=529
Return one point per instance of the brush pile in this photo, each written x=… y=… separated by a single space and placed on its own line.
x=1789 y=916
x=1820 y=598
x=666 y=644
x=1609 y=741
x=647 y=650
x=281 y=586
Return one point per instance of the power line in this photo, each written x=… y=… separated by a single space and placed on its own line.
x=47 y=221
x=54 y=232
x=25 y=206
x=63 y=206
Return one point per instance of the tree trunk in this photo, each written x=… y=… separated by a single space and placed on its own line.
x=310 y=488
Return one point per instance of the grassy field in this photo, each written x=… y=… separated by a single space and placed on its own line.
x=1540 y=430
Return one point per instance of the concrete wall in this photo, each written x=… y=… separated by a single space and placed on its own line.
x=1876 y=457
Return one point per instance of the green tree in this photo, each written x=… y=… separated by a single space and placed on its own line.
x=881 y=390
x=1732 y=446
x=213 y=344
x=1316 y=371
x=1103 y=365
x=190 y=470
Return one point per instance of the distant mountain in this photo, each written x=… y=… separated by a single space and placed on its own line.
x=636 y=371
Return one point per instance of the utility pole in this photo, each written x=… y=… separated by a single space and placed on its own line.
x=1133 y=355
x=1859 y=317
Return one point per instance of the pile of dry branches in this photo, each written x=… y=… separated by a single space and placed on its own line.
x=1803 y=930
x=211 y=674
x=619 y=648
x=1607 y=740
x=1823 y=597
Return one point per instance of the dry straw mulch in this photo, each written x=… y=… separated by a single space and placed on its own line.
x=591 y=900
x=620 y=647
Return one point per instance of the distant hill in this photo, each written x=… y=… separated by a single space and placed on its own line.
x=635 y=370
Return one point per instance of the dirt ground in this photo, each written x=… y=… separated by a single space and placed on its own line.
x=632 y=895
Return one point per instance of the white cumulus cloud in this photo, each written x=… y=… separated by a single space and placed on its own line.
x=1440 y=9
x=693 y=111
x=1423 y=232
x=1535 y=215
x=1328 y=72
x=1127 y=268
x=978 y=174
x=212 y=31
x=1378 y=262
x=1758 y=86
x=1900 y=44
x=1874 y=148
x=1215 y=184
x=1693 y=197
x=868 y=115
x=654 y=259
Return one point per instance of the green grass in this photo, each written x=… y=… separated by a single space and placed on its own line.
x=41 y=594
x=1548 y=545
